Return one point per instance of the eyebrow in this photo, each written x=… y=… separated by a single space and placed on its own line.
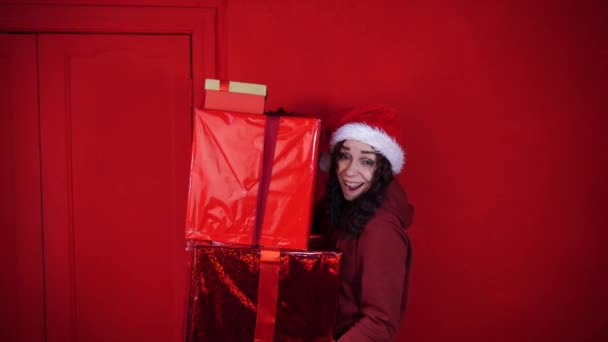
x=368 y=152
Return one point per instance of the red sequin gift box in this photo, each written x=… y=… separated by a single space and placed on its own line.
x=249 y=294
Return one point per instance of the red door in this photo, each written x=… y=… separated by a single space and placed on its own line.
x=115 y=121
x=21 y=277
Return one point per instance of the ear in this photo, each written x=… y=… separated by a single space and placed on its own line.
x=325 y=162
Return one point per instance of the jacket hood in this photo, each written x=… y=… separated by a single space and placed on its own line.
x=398 y=204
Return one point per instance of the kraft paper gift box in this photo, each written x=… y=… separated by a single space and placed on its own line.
x=234 y=96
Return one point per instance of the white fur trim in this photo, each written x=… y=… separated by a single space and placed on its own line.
x=375 y=137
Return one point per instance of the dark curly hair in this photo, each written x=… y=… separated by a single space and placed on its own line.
x=352 y=216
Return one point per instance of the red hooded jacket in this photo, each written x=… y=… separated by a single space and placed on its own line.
x=375 y=271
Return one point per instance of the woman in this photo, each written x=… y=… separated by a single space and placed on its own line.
x=364 y=215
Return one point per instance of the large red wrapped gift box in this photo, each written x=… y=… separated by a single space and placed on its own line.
x=226 y=173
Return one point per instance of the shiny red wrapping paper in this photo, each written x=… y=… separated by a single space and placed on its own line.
x=225 y=176
x=224 y=293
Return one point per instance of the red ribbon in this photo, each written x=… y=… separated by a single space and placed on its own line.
x=268 y=292
x=224 y=85
x=268 y=286
x=271 y=131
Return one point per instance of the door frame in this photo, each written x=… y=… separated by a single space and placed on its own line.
x=200 y=21
x=21 y=249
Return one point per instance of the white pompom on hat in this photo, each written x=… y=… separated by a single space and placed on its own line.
x=375 y=125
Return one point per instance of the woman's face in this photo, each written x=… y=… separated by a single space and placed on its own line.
x=355 y=168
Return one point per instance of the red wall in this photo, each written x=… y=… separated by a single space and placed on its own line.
x=502 y=112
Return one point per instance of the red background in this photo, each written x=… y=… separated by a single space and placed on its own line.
x=502 y=109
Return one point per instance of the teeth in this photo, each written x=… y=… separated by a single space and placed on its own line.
x=352 y=186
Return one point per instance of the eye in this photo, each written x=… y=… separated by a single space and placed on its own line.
x=368 y=162
x=343 y=156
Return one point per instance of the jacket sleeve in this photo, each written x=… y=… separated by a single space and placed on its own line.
x=381 y=258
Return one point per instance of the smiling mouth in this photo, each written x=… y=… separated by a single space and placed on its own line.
x=353 y=186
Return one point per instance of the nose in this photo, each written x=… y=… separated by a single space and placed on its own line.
x=351 y=168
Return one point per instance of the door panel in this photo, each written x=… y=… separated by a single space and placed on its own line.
x=21 y=286
x=115 y=113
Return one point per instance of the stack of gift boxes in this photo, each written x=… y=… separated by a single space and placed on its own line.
x=248 y=222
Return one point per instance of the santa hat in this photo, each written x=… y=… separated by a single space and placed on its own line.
x=374 y=125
